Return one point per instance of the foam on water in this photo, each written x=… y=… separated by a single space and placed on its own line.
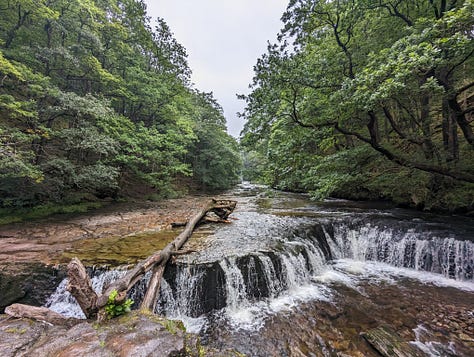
x=270 y=264
x=249 y=316
x=431 y=348
x=64 y=303
x=377 y=272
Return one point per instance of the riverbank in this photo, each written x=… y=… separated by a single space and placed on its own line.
x=33 y=255
x=45 y=241
x=287 y=265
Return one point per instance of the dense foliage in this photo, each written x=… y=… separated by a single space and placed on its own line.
x=95 y=102
x=368 y=99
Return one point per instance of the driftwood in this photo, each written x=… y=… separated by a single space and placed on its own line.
x=80 y=287
x=389 y=344
x=93 y=305
x=40 y=314
x=157 y=262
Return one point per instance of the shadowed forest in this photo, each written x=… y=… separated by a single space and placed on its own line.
x=96 y=102
x=367 y=100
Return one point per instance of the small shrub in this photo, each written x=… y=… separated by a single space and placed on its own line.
x=114 y=310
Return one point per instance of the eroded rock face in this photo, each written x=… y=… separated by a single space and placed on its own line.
x=134 y=335
x=30 y=284
x=33 y=255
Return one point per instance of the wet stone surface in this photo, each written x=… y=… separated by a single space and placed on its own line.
x=443 y=315
x=132 y=335
x=270 y=229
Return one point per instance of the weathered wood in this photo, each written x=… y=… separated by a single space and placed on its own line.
x=220 y=211
x=39 y=314
x=214 y=219
x=93 y=305
x=130 y=279
x=389 y=344
x=80 y=287
x=183 y=252
x=221 y=207
x=151 y=295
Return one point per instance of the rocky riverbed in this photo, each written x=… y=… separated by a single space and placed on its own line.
x=135 y=334
x=325 y=305
x=33 y=254
x=45 y=241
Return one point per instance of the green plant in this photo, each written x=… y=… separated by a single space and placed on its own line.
x=113 y=310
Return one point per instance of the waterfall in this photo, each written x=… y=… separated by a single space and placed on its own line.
x=235 y=286
x=272 y=280
x=64 y=303
x=409 y=249
x=248 y=286
x=184 y=297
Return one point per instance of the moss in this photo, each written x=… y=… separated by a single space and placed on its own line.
x=118 y=250
x=193 y=346
x=173 y=326
x=16 y=330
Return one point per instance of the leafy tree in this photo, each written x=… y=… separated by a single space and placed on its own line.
x=391 y=77
x=94 y=100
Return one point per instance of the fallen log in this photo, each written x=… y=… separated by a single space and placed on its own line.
x=39 y=314
x=221 y=208
x=93 y=305
x=157 y=262
x=80 y=286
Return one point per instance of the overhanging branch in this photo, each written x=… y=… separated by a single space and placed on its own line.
x=403 y=161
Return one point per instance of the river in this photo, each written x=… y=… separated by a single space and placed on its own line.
x=291 y=277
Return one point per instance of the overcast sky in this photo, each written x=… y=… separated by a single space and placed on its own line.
x=223 y=39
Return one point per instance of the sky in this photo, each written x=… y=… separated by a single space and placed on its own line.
x=223 y=39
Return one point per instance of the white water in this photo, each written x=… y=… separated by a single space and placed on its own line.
x=62 y=301
x=299 y=272
x=416 y=250
x=423 y=340
x=177 y=308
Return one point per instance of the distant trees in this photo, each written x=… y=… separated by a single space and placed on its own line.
x=94 y=100
x=369 y=99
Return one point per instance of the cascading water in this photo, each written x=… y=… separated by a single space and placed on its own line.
x=268 y=261
x=63 y=302
x=253 y=277
x=416 y=250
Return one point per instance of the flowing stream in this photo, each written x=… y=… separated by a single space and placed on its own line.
x=289 y=277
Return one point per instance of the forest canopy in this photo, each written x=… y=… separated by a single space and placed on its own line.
x=367 y=99
x=96 y=101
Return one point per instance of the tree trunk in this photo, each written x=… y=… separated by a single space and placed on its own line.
x=39 y=314
x=80 y=287
x=151 y=295
x=222 y=208
x=94 y=306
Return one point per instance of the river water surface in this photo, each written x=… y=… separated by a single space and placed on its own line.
x=291 y=277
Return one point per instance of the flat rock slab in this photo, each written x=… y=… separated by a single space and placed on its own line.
x=389 y=344
x=135 y=334
x=46 y=240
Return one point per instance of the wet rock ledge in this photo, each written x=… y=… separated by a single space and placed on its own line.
x=33 y=254
x=135 y=334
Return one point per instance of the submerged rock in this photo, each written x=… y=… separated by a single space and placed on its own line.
x=135 y=334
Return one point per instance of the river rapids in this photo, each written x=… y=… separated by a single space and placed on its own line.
x=291 y=277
